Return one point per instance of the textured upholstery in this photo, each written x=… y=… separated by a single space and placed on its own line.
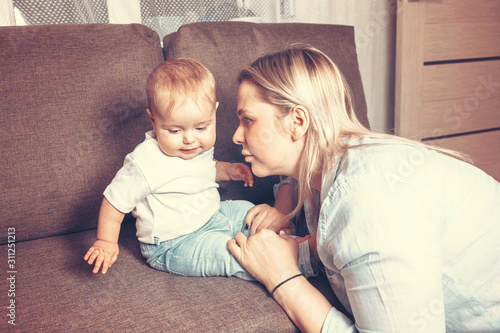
x=57 y=292
x=72 y=106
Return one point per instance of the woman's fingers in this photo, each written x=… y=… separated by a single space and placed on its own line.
x=234 y=245
x=255 y=216
x=257 y=223
x=266 y=217
x=252 y=212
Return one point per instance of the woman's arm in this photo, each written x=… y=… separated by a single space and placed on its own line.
x=272 y=259
x=304 y=304
x=386 y=244
x=283 y=201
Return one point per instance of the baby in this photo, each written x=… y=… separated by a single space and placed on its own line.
x=169 y=183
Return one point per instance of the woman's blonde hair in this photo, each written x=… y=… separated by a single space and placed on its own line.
x=303 y=75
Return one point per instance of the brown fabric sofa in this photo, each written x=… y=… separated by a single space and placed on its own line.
x=72 y=106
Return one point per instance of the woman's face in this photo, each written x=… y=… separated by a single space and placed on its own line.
x=269 y=149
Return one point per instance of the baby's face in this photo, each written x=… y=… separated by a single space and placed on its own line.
x=187 y=131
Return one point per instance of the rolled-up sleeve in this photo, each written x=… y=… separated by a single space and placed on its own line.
x=337 y=322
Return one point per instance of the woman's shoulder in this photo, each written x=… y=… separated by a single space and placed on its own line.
x=372 y=157
x=392 y=164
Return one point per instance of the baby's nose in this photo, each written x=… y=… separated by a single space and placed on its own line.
x=188 y=137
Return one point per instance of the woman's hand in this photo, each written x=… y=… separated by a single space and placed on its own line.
x=266 y=217
x=270 y=258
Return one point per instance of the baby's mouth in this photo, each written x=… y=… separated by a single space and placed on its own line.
x=189 y=151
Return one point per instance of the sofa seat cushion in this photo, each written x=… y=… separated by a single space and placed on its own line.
x=57 y=292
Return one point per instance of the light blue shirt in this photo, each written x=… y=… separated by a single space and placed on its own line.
x=410 y=241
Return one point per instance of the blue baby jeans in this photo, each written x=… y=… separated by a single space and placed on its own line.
x=204 y=252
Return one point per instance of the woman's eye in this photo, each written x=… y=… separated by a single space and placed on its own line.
x=246 y=120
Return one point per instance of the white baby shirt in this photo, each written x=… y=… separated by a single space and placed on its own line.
x=168 y=196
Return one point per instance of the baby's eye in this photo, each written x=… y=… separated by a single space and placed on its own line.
x=201 y=128
x=173 y=131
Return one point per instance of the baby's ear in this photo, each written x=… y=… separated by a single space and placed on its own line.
x=216 y=105
x=150 y=115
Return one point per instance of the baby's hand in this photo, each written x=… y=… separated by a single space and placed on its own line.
x=106 y=254
x=240 y=171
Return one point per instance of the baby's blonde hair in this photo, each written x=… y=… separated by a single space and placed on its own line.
x=176 y=80
x=303 y=75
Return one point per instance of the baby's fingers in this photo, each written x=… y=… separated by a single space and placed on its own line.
x=249 y=179
x=105 y=265
x=98 y=264
x=87 y=255
x=91 y=255
x=249 y=176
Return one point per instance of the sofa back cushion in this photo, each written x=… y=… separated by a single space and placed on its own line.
x=226 y=47
x=72 y=106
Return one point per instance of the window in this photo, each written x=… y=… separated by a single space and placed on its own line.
x=164 y=16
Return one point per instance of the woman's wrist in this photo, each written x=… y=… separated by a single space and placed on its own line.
x=285 y=281
x=288 y=290
x=279 y=278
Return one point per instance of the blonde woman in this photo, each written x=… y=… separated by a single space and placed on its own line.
x=407 y=234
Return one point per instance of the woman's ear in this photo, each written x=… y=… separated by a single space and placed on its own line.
x=300 y=122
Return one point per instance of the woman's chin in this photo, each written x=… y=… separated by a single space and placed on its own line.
x=260 y=172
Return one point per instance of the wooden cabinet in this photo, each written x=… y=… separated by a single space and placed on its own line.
x=448 y=76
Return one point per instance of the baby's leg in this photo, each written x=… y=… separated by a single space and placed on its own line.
x=236 y=211
x=204 y=252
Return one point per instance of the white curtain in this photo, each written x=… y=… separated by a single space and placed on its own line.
x=6 y=13
x=374 y=22
x=375 y=27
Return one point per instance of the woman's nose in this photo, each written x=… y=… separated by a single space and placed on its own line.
x=238 y=136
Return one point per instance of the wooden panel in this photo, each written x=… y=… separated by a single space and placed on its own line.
x=461 y=29
x=455 y=11
x=449 y=41
x=460 y=98
x=459 y=81
x=474 y=113
x=409 y=64
x=483 y=148
x=455 y=97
